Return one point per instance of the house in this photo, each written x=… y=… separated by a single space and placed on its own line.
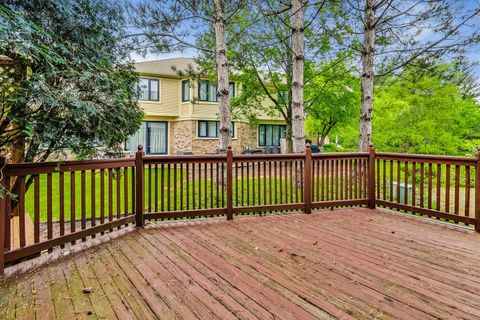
x=181 y=114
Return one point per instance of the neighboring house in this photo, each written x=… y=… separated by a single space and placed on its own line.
x=181 y=114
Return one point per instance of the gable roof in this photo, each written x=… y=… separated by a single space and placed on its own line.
x=166 y=67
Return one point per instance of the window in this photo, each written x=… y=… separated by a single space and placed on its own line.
x=270 y=134
x=152 y=135
x=231 y=90
x=148 y=89
x=185 y=90
x=211 y=129
x=208 y=91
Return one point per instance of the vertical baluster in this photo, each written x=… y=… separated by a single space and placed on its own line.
x=211 y=184
x=36 y=205
x=384 y=179
x=378 y=161
x=118 y=200
x=242 y=184
x=275 y=182
x=110 y=195
x=223 y=184
x=149 y=188
x=291 y=181
x=72 y=203
x=61 y=181
x=156 y=187
x=181 y=187
x=187 y=182
x=175 y=195
x=430 y=185
x=439 y=184
x=414 y=183
x=332 y=180
x=217 y=183
x=125 y=190
x=188 y=185
x=199 y=185
x=169 y=185
x=422 y=185
x=296 y=181
x=193 y=187
x=391 y=180
x=264 y=182
x=447 y=188
x=337 y=190
x=8 y=215
x=93 y=196
x=49 y=207
x=259 y=184
x=399 y=166
x=350 y=177
x=270 y=182
x=205 y=185
x=457 y=189
x=102 y=196
x=248 y=183
x=327 y=179
x=83 y=205
x=405 y=190
x=467 y=191
x=21 y=211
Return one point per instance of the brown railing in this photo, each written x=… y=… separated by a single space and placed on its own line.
x=438 y=186
x=71 y=201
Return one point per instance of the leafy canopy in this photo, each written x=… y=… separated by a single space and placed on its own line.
x=76 y=89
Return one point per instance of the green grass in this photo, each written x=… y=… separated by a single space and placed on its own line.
x=256 y=191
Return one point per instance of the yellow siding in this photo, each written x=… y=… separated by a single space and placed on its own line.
x=169 y=103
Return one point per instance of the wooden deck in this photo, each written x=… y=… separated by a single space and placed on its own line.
x=355 y=263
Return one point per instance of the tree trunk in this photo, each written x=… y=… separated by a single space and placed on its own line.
x=368 y=55
x=222 y=75
x=298 y=115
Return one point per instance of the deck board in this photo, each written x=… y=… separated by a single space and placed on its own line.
x=345 y=264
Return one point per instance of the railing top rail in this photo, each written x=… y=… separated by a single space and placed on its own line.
x=338 y=155
x=32 y=168
x=426 y=158
x=259 y=157
x=185 y=158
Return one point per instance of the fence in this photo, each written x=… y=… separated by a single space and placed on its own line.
x=68 y=202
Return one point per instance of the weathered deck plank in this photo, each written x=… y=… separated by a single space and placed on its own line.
x=347 y=263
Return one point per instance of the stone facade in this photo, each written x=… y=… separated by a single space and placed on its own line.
x=183 y=137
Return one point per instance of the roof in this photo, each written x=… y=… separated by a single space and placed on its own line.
x=167 y=67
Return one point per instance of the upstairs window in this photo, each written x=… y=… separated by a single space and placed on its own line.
x=211 y=129
x=185 y=90
x=208 y=91
x=148 y=89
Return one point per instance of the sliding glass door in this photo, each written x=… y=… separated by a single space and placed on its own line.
x=152 y=135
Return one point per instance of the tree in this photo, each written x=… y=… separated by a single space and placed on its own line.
x=396 y=33
x=263 y=55
x=75 y=88
x=332 y=100
x=167 y=26
x=298 y=56
x=427 y=108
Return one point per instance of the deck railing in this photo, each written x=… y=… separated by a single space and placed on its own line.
x=71 y=201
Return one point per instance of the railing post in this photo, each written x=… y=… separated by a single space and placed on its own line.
x=307 y=180
x=229 y=183
x=140 y=187
x=371 y=177
x=2 y=215
x=477 y=192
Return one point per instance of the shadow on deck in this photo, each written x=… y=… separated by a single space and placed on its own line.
x=347 y=263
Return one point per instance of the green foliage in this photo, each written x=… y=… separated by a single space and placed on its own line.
x=425 y=109
x=78 y=88
x=332 y=99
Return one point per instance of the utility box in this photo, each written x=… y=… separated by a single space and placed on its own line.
x=402 y=191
